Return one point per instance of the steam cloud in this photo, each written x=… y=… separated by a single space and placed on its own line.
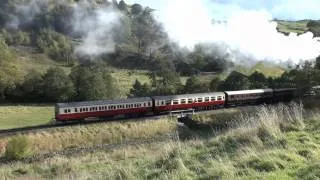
x=243 y=35
x=246 y=33
x=96 y=28
x=93 y=25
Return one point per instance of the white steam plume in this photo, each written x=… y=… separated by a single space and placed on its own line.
x=92 y=22
x=96 y=28
x=245 y=32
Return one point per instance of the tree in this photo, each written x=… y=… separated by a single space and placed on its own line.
x=235 y=81
x=168 y=84
x=139 y=90
x=57 y=85
x=56 y=45
x=258 y=81
x=9 y=74
x=123 y=6
x=32 y=87
x=214 y=84
x=92 y=83
x=317 y=65
x=194 y=85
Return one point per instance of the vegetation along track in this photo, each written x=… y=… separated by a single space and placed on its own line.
x=90 y=149
x=30 y=129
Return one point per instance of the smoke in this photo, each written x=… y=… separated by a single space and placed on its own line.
x=93 y=23
x=96 y=28
x=246 y=33
x=25 y=13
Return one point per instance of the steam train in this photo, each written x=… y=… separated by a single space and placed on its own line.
x=78 y=111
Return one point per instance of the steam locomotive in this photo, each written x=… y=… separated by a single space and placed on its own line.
x=79 y=111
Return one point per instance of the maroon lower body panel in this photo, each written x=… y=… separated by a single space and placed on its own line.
x=110 y=113
x=160 y=109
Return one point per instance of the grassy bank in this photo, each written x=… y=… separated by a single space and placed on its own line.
x=271 y=143
x=53 y=140
x=25 y=115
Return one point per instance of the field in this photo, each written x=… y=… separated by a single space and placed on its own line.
x=278 y=142
x=25 y=115
x=292 y=26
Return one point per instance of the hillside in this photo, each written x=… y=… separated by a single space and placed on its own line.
x=293 y=26
x=61 y=50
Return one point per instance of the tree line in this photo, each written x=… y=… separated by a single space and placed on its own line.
x=302 y=77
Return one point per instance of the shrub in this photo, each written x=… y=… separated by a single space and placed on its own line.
x=18 y=147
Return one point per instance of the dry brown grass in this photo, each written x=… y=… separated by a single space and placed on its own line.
x=90 y=135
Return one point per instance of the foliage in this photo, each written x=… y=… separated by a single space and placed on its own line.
x=56 y=45
x=168 y=84
x=314 y=27
x=214 y=84
x=8 y=73
x=32 y=86
x=140 y=90
x=258 y=81
x=18 y=147
x=235 y=81
x=57 y=86
x=16 y=37
x=93 y=83
x=194 y=85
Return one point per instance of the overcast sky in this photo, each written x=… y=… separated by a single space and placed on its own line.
x=281 y=9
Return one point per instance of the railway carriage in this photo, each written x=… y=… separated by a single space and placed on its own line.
x=107 y=108
x=249 y=97
x=285 y=94
x=187 y=101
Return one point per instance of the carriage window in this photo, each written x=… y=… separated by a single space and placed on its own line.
x=87 y=109
x=69 y=110
x=219 y=98
x=149 y=104
x=76 y=110
x=66 y=111
x=163 y=102
x=183 y=101
x=168 y=102
x=213 y=98
x=200 y=99
x=175 y=102
x=207 y=99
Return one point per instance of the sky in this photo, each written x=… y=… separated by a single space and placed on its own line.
x=280 y=9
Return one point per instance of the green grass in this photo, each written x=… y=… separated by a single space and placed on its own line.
x=267 y=69
x=293 y=26
x=25 y=115
x=126 y=78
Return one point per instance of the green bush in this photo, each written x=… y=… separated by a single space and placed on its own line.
x=18 y=147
